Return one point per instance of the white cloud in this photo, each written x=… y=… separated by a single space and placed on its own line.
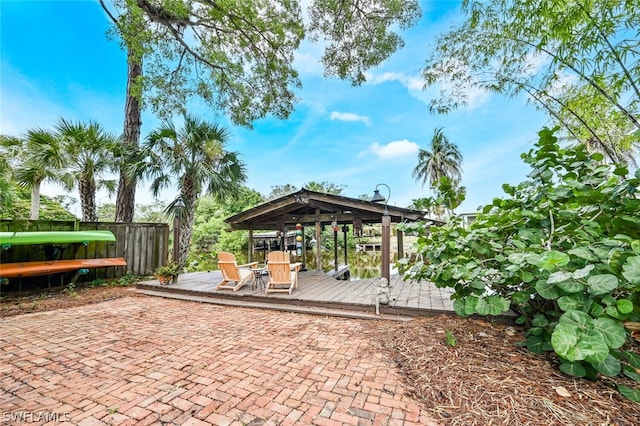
x=410 y=82
x=349 y=116
x=474 y=96
x=395 y=149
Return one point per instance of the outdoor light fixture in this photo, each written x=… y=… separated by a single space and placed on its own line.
x=386 y=231
x=377 y=197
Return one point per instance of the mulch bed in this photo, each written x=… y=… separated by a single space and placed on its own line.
x=482 y=378
x=487 y=378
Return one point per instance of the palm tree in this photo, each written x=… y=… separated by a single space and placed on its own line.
x=443 y=160
x=7 y=193
x=90 y=151
x=39 y=156
x=195 y=155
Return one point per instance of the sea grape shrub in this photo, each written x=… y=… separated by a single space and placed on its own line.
x=561 y=250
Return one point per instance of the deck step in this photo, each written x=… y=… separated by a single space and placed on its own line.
x=313 y=310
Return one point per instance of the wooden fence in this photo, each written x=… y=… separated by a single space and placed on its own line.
x=145 y=246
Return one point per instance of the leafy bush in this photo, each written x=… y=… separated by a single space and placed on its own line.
x=562 y=251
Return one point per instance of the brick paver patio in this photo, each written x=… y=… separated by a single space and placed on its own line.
x=146 y=360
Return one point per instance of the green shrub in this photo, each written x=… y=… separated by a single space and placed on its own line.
x=562 y=251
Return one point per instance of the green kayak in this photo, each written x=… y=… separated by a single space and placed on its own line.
x=8 y=239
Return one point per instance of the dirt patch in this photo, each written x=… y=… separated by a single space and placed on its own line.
x=462 y=371
x=60 y=298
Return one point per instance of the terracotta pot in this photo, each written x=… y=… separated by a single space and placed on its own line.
x=165 y=280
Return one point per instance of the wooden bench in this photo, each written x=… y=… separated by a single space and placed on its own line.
x=46 y=267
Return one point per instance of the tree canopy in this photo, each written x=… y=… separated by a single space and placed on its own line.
x=577 y=60
x=238 y=56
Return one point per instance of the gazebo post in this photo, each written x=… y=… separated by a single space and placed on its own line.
x=304 y=250
x=335 y=249
x=250 y=244
x=386 y=230
x=345 y=229
x=386 y=249
x=318 y=241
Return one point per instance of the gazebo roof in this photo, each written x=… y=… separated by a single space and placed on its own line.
x=307 y=207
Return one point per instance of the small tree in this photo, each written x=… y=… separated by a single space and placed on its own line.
x=442 y=159
x=195 y=158
x=562 y=251
x=38 y=157
x=448 y=196
x=89 y=158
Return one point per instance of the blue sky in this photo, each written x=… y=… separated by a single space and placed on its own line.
x=56 y=61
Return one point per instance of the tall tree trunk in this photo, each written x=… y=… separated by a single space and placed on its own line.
x=35 y=201
x=187 y=220
x=87 y=190
x=126 y=197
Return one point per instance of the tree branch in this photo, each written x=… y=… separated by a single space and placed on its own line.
x=110 y=15
x=585 y=77
x=612 y=49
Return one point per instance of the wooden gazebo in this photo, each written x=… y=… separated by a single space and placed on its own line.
x=311 y=208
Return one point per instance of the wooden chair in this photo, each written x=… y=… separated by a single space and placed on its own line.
x=234 y=276
x=283 y=276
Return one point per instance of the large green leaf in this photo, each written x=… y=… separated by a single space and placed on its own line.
x=632 y=358
x=613 y=331
x=536 y=344
x=520 y=297
x=583 y=272
x=629 y=393
x=470 y=304
x=575 y=369
x=547 y=290
x=577 y=319
x=575 y=302
x=571 y=286
x=609 y=367
x=583 y=253
x=602 y=283
x=497 y=304
x=631 y=373
x=563 y=339
x=482 y=307
x=625 y=306
x=516 y=258
x=539 y=320
x=559 y=276
x=592 y=344
x=631 y=270
x=553 y=259
x=459 y=307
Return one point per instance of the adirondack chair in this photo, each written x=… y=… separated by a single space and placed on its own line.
x=234 y=276
x=283 y=276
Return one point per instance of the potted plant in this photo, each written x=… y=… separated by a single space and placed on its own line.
x=168 y=272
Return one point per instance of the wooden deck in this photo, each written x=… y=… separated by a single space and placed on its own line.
x=317 y=289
